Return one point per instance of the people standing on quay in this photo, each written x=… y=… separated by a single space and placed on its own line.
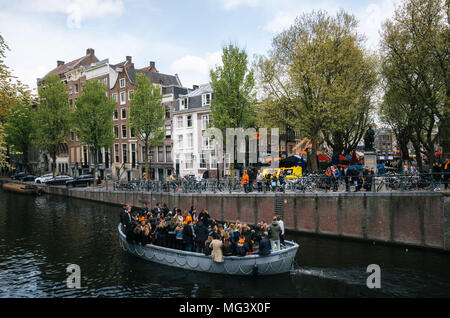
x=245 y=181
x=437 y=176
x=446 y=173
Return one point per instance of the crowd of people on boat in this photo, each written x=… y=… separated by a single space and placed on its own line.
x=194 y=231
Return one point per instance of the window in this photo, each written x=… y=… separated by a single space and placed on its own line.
x=76 y=88
x=114 y=95
x=122 y=98
x=116 y=132
x=160 y=154
x=72 y=136
x=124 y=153
x=168 y=153
x=180 y=141
x=168 y=131
x=133 y=155
x=184 y=103
x=189 y=162
x=116 y=114
x=132 y=135
x=70 y=102
x=205 y=142
x=122 y=82
x=190 y=140
x=70 y=90
x=213 y=161
x=130 y=94
x=206 y=99
x=151 y=154
x=143 y=154
x=124 y=131
x=124 y=113
x=205 y=121
x=167 y=112
x=180 y=121
x=189 y=121
x=105 y=81
x=202 y=161
x=116 y=153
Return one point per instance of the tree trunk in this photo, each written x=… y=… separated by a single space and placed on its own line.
x=54 y=164
x=314 y=147
x=95 y=166
x=146 y=159
x=418 y=155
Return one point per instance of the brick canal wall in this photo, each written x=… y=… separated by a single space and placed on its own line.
x=418 y=219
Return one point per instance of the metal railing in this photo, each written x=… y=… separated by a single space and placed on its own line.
x=310 y=183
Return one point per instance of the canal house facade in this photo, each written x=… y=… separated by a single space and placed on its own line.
x=125 y=159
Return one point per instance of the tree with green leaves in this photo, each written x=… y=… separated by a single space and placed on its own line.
x=233 y=105
x=147 y=115
x=321 y=78
x=93 y=119
x=19 y=128
x=11 y=92
x=53 y=118
x=415 y=71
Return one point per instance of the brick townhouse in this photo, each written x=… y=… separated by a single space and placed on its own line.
x=125 y=159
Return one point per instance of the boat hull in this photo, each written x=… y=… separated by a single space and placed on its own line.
x=21 y=188
x=275 y=263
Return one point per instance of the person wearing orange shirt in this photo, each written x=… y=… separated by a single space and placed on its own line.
x=245 y=181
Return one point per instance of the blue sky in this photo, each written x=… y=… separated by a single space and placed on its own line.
x=183 y=37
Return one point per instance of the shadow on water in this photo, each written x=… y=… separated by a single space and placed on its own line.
x=41 y=236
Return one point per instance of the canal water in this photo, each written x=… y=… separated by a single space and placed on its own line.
x=41 y=236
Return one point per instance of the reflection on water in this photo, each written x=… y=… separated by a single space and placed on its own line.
x=41 y=236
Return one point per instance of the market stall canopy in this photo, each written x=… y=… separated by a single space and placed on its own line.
x=323 y=157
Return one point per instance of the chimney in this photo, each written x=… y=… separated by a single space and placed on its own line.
x=152 y=64
x=128 y=58
x=194 y=87
x=59 y=63
x=90 y=51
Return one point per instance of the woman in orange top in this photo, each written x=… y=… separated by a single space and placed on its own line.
x=187 y=217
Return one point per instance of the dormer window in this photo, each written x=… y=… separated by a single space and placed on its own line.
x=184 y=103
x=206 y=99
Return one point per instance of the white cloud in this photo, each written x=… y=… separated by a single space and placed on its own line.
x=37 y=44
x=76 y=10
x=281 y=21
x=371 y=19
x=194 y=70
x=232 y=4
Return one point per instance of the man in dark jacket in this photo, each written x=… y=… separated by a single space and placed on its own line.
x=188 y=237
x=201 y=235
x=204 y=217
x=125 y=217
x=264 y=245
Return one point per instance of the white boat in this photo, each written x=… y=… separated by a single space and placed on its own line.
x=277 y=262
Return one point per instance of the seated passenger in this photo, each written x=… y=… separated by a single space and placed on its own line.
x=227 y=247
x=242 y=247
x=208 y=249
